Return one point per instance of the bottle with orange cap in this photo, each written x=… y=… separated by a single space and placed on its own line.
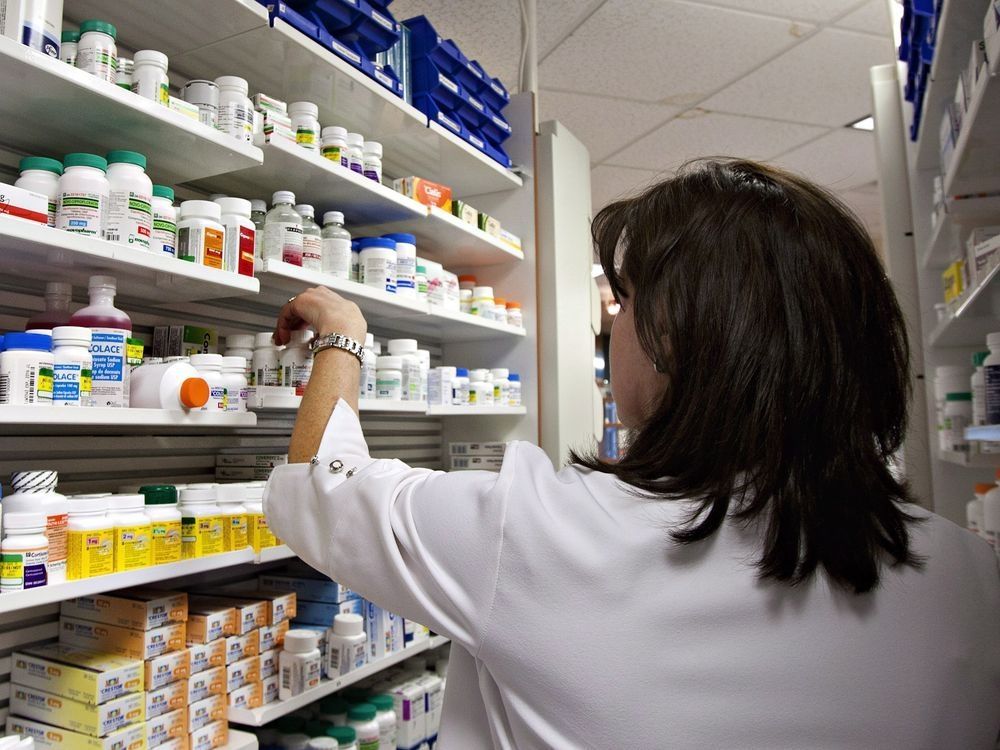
x=974 y=509
x=168 y=385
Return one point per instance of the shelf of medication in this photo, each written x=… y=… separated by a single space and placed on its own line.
x=36 y=252
x=36 y=415
x=51 y=108
x=476 y=411
x=275 y=554
x=959 y=214
x=984 y=460
x=973 y=315
x=977 y=149
x=241 y=741
x=256 y=717
x=283 y=399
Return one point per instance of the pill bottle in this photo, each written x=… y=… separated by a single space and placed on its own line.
x=149 y=76
x=299 y=663
x=168 y=385
x=297 y=362
x=378 y=263
x=305 y=124
x=435 y=283
x=165 y=521
x=356 y=262
x=334 y=710
x=466 y=281
x=501 y=386
x=110 y=330
x=266 y=363
x=201 y=237
x=500 y=310
x=123 y=75
x=335 y=145
x=68 y=47
x=84 y=192
x=347 y=738
x=406 y=263
x=258 y=532
x=482 y=301
x=230 y=498
x=406 y=350
x=356 y=153
x=258 y=213
x=460 y=387
x=241 y=345
x=41 y=175
x=235 y=108
x=234 y=381
x=386 y=718
x=440 y=385
x=205 y=96
x=975 y=509
x=449 y=290
x=514 y=381
x=514 y=315
x=991 y=516
x=35 y=492
x=361 y=718
x=367 y=382
x=133 y=532
x=96 y=52
x=72 y=366
x=241 y=232
x=372 y=160
x=322 y=742
x=957 y=416
x=312 y=238
x=26 y=369
x=420 y=280
x=283 y=230
x=480 y=390
x=389 y=378
x=991 y=372
x=336 y=246
x=201 y=521
x=465 y=301
x=346 y=645
x=164 y=236
x=24 y=551
x=90 y=539
x=130 y=207
x=56 y=313
x=209 y=367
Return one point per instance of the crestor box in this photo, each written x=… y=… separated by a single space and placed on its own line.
x=75 y=673
x=48 y=737
x=207 y=655
x=96 y=721
x=135 y=644
x=139 y=609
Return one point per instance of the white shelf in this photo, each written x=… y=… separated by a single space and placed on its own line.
x=107 y=416
x=476 y=411
x=392 y=407
x=240 y=741
x=944 y=245
x=257 y=717
x=274 y=554
x=973 y=167
x=989 y=432
x=283 y=399
x=36 y=253
x=17 y=600
x=975 y=460
x=976 y=314
x=459 y=325
x=50 y=109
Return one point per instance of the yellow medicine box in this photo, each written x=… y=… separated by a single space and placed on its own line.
x=167 y=668
x=207 y=655
x=73 y=673
x=86 y=718
x=166 y=699
x=205 y=711
x=139 y=609
x=135 y=644
x=47 y=737
x=952 y=279
x=210 y=736
x=204 y=684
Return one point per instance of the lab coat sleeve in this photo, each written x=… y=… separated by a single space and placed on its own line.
x=423 y=544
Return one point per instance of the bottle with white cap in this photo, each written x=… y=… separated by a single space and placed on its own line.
x=234 y=381
x=133 y=532
x=90 y=539
x=266 y=364
x=209 y=367
x=72 y=366
x=201 y=521
x=241 y=234
x=201 y=236
x=356 y=152
x=372 y=160
x=235 y=108
x=336 y=246
x=241 y=345
x=174 y=385
x=368 y=370
x=110 y=329
x=346 y=645
x=312 y=238
x=501 y=385
x=57 y=298
x=230 y=498
x=161 y=507
x=35 y=492
x=297 y=361
x=259 y=534
x=283 y=230
x=406 y=350
x=299 y=663
x=149 y=76
x=258 y=212
x=305 y=124
x=25 y=551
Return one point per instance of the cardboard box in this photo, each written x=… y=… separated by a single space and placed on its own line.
x=473 y=463
x=167 y=668
x=48 y=737
x=265 y=103
x=424 y=191
x=311 y=589
x=205 y=711
x=166 y=699
x=952 y=280
x=379 y=631
x=241 y=646
x=242 y=474
x=322 y=613
x=489 y=224
x=135 y=644
x=279 y=605
x=270 y=689
x=250 y=613
x=252 y=460
x=511 y=240
x=24 y=204
x=208 y=622
x=477 y=449
x=184 y=108
x=207 y=655
x=269 y=663
x=209 y=736
x=77 y=674
x=242 y=672
x=138 y=609
x=465 y=212
x=210 y=682
x=985 y=256
x=96 y=721
x=273 y=636
x=177 y=743
x=248 y=696
x=166 y=727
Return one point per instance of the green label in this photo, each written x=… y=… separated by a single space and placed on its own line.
x=162 y=225
x=138 y=204
x=69 y=201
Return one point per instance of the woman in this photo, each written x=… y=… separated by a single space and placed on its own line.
x=749 y=575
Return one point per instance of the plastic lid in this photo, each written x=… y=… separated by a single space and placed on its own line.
x=159 y=494
x=71 y=335
x=467 y=279
x=373 y=148
x=234 y=492
x=304 y=209
x=461 y=372
x=262 y=340
x=35 y=342
x=150 y=56
x=88 y=505
x=335 y=131
x=388 y=363
x=978 y=358
x=102 y=282
x=60 y=288
x=382 y=701
x=334 y=704
x=210 y=361
x=283 y=196
x=102 y=26
x=354 y=246
x=202 y=493
x=479 y=375
x=23 y=521
x=300 y=641
x=500 y=372
x=406 y=239
x=333 y=217
x=361 y=711
x=126 y=502
x=500 y=302
x=239 y=341
x=343 y=735
x=513 y=305
x=233 y=82
x=206 y=209
x=85 y=160
x=258 y=204
x=127 y=157
x=303 y=108
x=958 y=397
x=356 y=139
x=322 y=742
x=38 y=480
x=300 y=338
x=982 y=488
x=234 y=363
x=238 y=206
x=348 y=624
x=514 y=377
x=41 y=162
x=70 y=36
x=366 y=242
x=369 y=340
x=163 y=191
x=483 y=291
x=402 y=346
x=194 y=392
x=993 y=340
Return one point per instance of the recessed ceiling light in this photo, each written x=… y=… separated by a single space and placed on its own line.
x=865 y=123
x=597 y=270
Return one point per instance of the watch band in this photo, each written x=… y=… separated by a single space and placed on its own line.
x=338 y=341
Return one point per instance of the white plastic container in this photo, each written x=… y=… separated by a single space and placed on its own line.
x=389 y=378
x=130 y=208
x=991 y=519
x=258 y=213
x=974 y=520
x=406 y=264
x=312 y=238
x=283 y=230
x=230 y=498
x=361 y=718
x=35 y=492
x=133 y=532
x=90 y=539
x=69 y=44
x=335 y=145
x=209 y=367
x=356 y=153
x=205 y=96
x=96 y=51
x=440 y=384
x=336 y=246
x=25 y=552
x=421 y=280
x=258 y=532
x=299 y=663
x=377 y=263
x=406 y=350
x=149 y=76
x=241 y=345
x=238 y=256
x=305 y=124
x=482 y=302
x=515 y=389
x=235 y=108
x=515 y=317
x=386 y=717
x=72 y=366
x=123 y=76
x=501 y=386
x=110 y=329
x=41 y=175
x=84 y=193
x=480 y=393
x=201 y=237
x=165 y=519
x=26 y=367
x=297 y=362
x=164 y=237
x=957 y=416
x=234 y=380
x=201 y=521
x=176 y=386
x=346 y=645
x=460 y=387
x=368 y=369
x=266 y=363
x=372 y=160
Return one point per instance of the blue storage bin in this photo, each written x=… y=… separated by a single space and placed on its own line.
x=428 y=80
x=332 y=15
x=923 y=7
x=473 y=112
x=377 y=31
x=496 y=129
x=354 y=22
x=494 y=152
x=429 y=106
x=293 y=18
x=495 y=95
x=471 y=77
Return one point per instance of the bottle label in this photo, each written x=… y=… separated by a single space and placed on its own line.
x=992 y=376
x=297 y=376
x=53 y=207
x=260 y=533
x=406 y=272
x=247 y=237
x=56 y=529
x=130 y=219
x=133 y=547
x=110 y=378
x=201 y=245
x=334 y=153
x=411 y=381
x=234 y=533
x=82 y=213
x=164 y=237
x=91 y=553
x=379 y=273
x=269 y=375
x=312 y=252
x=306 y=137
x=372 y=174
x=218 y=399
x=201 y=536
x=70 y=384
x=389 y=388
x=336 y=253
x=283 y=241
x=23 y=569
x=98 y=62
x=356 y=165
x=236 y=119
x=167 y=546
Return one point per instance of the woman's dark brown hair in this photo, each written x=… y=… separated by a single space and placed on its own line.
x=763 y=299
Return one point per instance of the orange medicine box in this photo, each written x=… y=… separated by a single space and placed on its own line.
x=273 y=636
x=111 y=639
x=208 y=622
x=210 y=736
x=280 y=604
x=138 y=609
x=242 y=672
x=205 y=712
x=165 y=727
x=210 y=682
x=167 y=668
x=77 y=674
x=250 y=613
x=166 y=699
x=241 y=646
x=248 y=696
x=424 y=191
x=207 y=655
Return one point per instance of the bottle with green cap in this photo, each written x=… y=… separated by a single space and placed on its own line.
x=96 y=51
x=164 y=237
x=84 y=194
x=130 y=210
x=386 y=717
x=41 y=175
x=67 y=47
x=161 y=507
x=361 y=718
x=347 y=738
x=333 y=709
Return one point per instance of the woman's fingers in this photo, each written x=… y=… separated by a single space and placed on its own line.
x=316 y=308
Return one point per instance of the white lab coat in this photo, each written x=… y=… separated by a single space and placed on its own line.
x=577 y=623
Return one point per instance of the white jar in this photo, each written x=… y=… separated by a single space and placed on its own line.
x=435 y=283
x=238 y=256
x=335 y=145
x=41 y=175
x=299 y=663
x=165 y=518
x=501 y=386
x=72 y=366
x=149 y=76
x=346 y=645
x=372 y=161
x=164 y=237
x=406 y=264
x=514 y=315
x=201 y=522
x=241 y=345
x=368 y=371
x=283 y=230
x=96 y=52
x=258 y=532
x=480 y=393
x=465 y=301
x=266 y=365
x=406 y=350
x=957 y=416
x=205 y=96
x=201 y=237
x=133 y=532
x=68 y=46
x=297 y=362
x=500 y=310
x=230 y=498
x=377 y=263
x=514 y=381
x=336 y=246
x=312 y=238
x=130 y=209
x=209 y=367
x=389 y=378
x=420 y=281
x=424 y=357
x=234 y=380
x=84 y=192
x=90 y=534
x=318 y=743
x=26 y=369
x=35 y=492
x=174 y=385
x=305 y=124
x=123 y=75
x=386 y=718
x=361 y=718
x=25 y=551
x=440 y=386
x=235 y=108
x=347 y=738
x=482 y=301
x=460 y=387
x=356 y=153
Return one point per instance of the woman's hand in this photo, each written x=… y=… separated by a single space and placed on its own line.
x=324 y=311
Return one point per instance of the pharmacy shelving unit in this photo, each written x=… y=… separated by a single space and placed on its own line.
x=241 y=741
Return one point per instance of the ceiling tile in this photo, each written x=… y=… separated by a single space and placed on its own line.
x=806 y=10
x=699 y=133
x=610 y=183
x=867 y=204
x=665 y=51
x=872 y=17
x=557 y=18
x=823 y=80
x=842 y=160
x=602 y=124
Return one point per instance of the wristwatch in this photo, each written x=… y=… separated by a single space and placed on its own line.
x=338 y=341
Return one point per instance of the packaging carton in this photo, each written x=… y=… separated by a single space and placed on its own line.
x=168 y=668
x=242 y=672
x=48 y=737
x=166 y=699
x=241 y=646
x=85 y=718
x=111 y=639
x=77 y=674
x=24 y=204
x=209 y=736
x=138 y=609
x=424 y=191
x=208 y=622
x=205 y=711
x=207 y=683
x=248 y=696
x=250 y=613
x=166 y=727
x=273 y=636
x=311 y=589
x=207 y=655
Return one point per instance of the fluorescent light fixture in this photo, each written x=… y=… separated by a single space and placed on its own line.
x=598 y=363
x=865 y=123
x=613 y=308
x=597 y=270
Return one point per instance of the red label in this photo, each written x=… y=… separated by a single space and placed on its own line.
x=245 y=266
x=24 y=213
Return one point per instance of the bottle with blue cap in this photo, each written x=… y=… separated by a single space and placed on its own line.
x=406 y=263
x=26 y=367
x=377 y=263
